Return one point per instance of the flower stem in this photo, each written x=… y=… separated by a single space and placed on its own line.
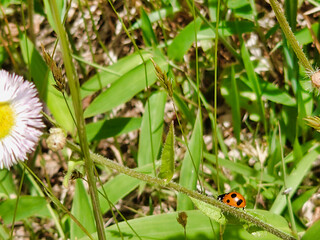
x=74 y=86
x=290 y=36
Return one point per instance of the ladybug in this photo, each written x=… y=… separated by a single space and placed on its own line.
x=233 y=199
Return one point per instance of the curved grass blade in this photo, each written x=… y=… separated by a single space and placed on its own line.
x=125 y=88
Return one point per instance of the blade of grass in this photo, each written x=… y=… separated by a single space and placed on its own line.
x=148 y=34
x=183 y=41
x=124 y=88
x=82 y=210
x=111 y=127
x=254 y=81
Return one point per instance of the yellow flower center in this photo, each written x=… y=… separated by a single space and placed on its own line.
x=7 y=117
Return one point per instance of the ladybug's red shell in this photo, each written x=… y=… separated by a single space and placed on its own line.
x=233 y=199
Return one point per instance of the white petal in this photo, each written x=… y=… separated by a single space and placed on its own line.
x=25 y=133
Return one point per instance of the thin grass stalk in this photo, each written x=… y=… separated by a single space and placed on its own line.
x=51 y=211
x=290 y=36
x=215 y=135
x=216 y=42
x=17 y=203
x=74 y=86
x=198 y=90
x=293 y=223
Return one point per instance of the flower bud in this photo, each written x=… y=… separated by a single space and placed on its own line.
x=57 y=139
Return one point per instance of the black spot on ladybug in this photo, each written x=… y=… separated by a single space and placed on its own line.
x=239 y=202
x=233 y=195
x=228 y=201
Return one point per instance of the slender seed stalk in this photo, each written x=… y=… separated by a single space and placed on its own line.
x=215 y=100
x=77 y=105
x=293 y=224
x=290 y=36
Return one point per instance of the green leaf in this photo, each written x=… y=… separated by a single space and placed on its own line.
x=165 y=227
x=210 y=211
x=304 y=35
x=110 y=128
x=44 y=81
x=149 y=150
x=190 y=165
x=61 y=9
x=167 y=157
x=275 y=94
x=237 y=231
x=226 y=29
x=239 y=168
x=313 y=232
x=148 y=34
x=4 y=233
x=5 y=3
x=125 y=88
x=302 y=199
x=7 y=185
x=110 y=74
x=183 y=41
x=28 y=206
x=158 y=15
x=82 y=210
x=271 y=218
x=234 y=4
x=241 y=8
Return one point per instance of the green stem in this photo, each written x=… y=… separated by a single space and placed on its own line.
x=215 y=100
x=74 y=86
x=290 y=36
x=239 y=213
x=293 y=224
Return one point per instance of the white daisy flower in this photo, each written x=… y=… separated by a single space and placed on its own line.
x=20 y=119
